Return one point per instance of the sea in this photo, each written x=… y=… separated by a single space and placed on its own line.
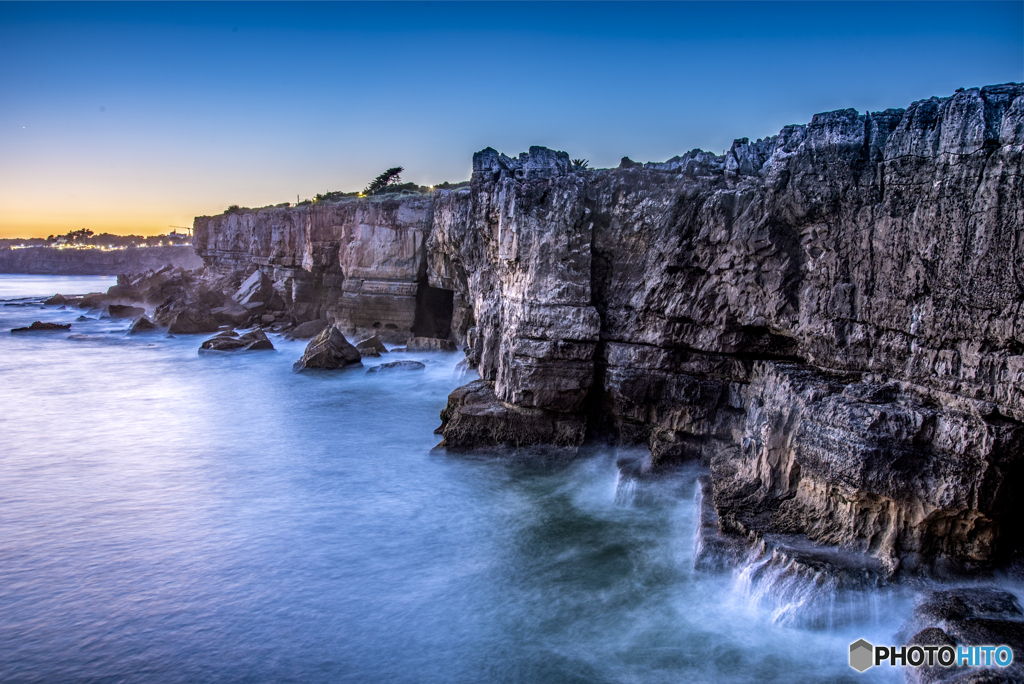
x=169 y=516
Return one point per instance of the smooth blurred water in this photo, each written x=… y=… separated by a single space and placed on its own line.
x=167 y=516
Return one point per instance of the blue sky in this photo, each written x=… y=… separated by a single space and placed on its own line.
x=135 y=116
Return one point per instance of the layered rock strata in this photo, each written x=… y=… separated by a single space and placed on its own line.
x=359 y=263
x=830 y=317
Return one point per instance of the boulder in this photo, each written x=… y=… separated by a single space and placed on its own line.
x=327 y=351
x=429 y=344
x=56 y=300
x=142 y=325
x=307 y=330
x=124 y=311
x=372 y=347
x=230 y=341
x=39 y=326
x=192 y=321
x=397 y=366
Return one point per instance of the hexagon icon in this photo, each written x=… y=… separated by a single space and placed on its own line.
x=861 y=655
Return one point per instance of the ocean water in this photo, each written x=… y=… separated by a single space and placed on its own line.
x=167 y=516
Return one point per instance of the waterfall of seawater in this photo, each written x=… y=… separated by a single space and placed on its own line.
x=794 y=593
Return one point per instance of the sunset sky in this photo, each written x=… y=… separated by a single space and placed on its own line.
x=132 y=117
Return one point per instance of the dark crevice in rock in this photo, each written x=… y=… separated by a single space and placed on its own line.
x=434 y=307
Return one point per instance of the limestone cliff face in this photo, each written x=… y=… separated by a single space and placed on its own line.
x=831 y=317
x=358 y=262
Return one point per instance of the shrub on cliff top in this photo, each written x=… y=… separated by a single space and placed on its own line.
x=332 y=195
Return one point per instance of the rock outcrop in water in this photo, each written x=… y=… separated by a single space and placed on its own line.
x=328 y=351
x=39 y=326
x=830 y=317
x=230 y=341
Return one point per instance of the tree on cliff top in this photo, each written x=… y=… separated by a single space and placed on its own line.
x=381 y=182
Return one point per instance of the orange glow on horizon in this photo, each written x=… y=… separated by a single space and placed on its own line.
x=41 y=222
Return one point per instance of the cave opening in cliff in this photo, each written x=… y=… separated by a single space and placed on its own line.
x=434 y=307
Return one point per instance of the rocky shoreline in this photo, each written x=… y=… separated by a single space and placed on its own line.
x=830 y=319
x=43 y=260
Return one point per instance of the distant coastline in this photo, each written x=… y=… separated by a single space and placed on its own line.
x=55 y=261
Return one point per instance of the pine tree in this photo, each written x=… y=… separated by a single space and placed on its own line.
x=381 y=182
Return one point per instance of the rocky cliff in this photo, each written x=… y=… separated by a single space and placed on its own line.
x=359 y=262
x=830 y=317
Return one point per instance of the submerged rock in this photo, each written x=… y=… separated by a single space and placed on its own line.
x=39 y=326
x=397 y=366
x=230 y=341
x=328 y=351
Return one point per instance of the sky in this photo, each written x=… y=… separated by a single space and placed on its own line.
x=132 y=117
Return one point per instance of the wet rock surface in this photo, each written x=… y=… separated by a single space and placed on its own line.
x=475 y=418
x=230 y=341
x=969 y=616
x=39 y=326
x=395 y=366
x=142 y=325
x=124 y=311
